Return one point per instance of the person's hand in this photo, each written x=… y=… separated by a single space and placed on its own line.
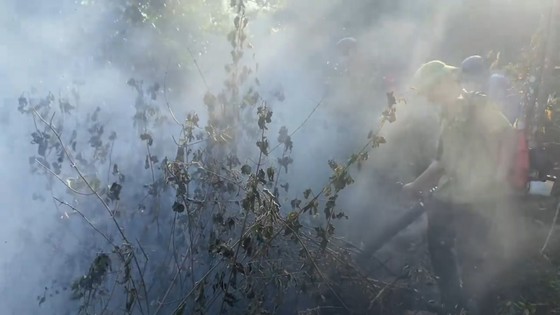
x=411 y=191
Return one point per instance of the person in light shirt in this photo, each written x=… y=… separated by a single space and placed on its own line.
x=470 y=173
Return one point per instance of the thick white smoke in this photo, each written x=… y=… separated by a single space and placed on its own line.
x=57 y=46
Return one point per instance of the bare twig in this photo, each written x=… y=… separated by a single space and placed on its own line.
x=303 y=122
x=347 y=166
x=186 y=297
x=191 y=240
x=552 y=226
x=151 y=165
x=73 y=164
x=167 y=101
x=142 y=249
x=62 y=180
x=110 y=161
x=172 y=240
x=254 y=187
x=85 y=219
x=198 y=68
x=105 y=205
x=104 y=309
x=317 y=269
x=381 y=292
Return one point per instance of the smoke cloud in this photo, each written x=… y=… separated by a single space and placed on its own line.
x=67 y=46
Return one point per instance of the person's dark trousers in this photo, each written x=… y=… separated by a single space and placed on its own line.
x=441 y=245
x=457 y=242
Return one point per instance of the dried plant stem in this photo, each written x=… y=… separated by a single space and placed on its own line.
x=105 y=205
x=551 y=230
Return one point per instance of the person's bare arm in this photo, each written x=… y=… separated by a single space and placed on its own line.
x=428 y=179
